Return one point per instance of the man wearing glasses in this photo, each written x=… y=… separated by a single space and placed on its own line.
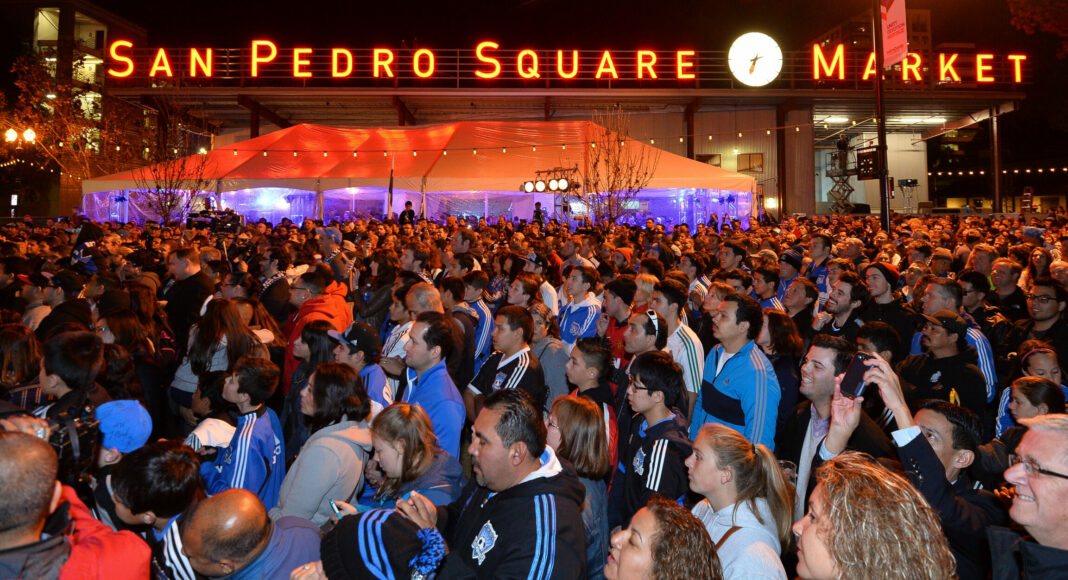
x=1039 y=476
x=1045 y=304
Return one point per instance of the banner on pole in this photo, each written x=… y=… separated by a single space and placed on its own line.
x=895 y=31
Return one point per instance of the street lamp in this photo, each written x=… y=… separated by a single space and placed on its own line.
x=12 y=136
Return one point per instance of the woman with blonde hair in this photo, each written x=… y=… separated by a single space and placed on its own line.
x=643 y=295
x=865 y=521
x=662 y=542
x=575 y=431
x=407 y=458
x=748 y=503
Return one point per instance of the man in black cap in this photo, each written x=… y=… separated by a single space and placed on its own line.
x=886 y=304
x=790 y=263
x=360 y=348
x=947 y=370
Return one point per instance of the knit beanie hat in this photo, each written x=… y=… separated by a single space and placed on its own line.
x=381 y=543
x=889 y=272
x=793 y=258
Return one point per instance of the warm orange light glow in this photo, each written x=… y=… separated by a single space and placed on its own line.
x=606 y=66
x=1017 y=66
x=684 y=64
x=527 y=71
x=869 y=69
x=336 y=57
x=420 y=55
x=161 y=64
x=496 y=71
x=257 y=59
x=911 y=64
x=196 y=61
x=646 y=60
x=115 y=56
x=982 y=67
x=299 y=63
x=820 y=64
x=560 y=65
x=383 y=58
x=945 y=66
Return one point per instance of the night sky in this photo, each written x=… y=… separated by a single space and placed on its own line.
x=707 y=25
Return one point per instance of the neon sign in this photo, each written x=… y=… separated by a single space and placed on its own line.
x=489 y=61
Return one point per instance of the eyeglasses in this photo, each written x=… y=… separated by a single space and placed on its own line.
x=295 y=288
x=656 y=322
x=550 y=422
x=1040 y=298
x=1032 y=468
x=632 y=384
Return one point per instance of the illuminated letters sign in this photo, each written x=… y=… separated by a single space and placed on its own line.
x=489 y=63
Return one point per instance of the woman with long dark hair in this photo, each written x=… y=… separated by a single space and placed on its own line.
x=782 y=343
x=575 y=430
x=312 y=349
x=124 y=328
x=20 y=367
x=330 y=464
x=215 y=344
x=371 y=302
x=153 y=319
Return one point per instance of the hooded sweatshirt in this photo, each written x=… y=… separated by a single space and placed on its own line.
x=329 y=306
x=329 y=466
x=441 y=484
x=530 y=530
x=752 y=551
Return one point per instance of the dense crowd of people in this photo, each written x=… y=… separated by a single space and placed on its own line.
x=411 y=399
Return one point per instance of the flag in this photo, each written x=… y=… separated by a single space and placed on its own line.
x=895 y=31
x=389 y=203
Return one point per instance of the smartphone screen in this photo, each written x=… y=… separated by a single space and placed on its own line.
x=853 y=382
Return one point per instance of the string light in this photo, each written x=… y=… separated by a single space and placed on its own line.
x=265 y=153
x=354 y=155
x=294 y=154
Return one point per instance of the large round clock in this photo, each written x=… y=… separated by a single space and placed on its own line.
x=755 y=59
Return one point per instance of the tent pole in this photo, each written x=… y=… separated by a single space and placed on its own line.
x=319 y=210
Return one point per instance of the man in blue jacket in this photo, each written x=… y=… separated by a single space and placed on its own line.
x=230 y=535
x=427 y=381
x=739 y=387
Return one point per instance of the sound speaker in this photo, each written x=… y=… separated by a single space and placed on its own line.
x=861 y=208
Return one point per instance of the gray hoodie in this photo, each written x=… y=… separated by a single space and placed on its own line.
x=329 y=466
x=752 y=551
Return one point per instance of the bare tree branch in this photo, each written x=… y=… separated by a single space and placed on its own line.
x=615 y=168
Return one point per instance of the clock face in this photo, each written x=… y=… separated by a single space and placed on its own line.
x=755 y=59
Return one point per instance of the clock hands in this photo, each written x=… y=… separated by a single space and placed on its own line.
x=753 y=63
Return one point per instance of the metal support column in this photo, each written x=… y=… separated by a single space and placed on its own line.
x=995 y=147
x=880 y=116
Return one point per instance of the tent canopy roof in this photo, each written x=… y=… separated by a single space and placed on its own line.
x=462 y=156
